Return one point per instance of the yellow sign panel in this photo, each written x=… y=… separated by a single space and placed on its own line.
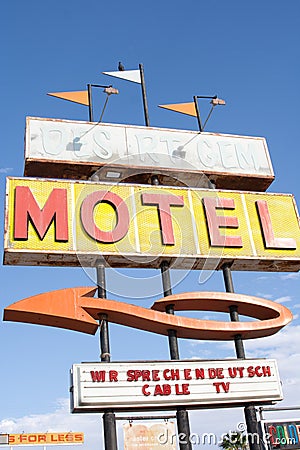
x=71 y=223
x=46 y=438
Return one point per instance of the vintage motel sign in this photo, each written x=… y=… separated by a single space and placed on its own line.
x=71 y=223
x=169 y=384
x=71 y=149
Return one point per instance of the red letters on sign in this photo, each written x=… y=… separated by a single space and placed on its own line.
x=259 y=371
x=163 y=203
x=164 y=389
x=171 y=374
x=87 y=216
x=144 y=390
x=224 y=386
x=55 y=210
x=267 y=230
x=215 y=373
x=187 y=374
x=215 y=222
x=98 y=375
x=182 y=389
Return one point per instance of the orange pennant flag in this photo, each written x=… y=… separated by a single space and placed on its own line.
x=183 y=108
x=73 y=96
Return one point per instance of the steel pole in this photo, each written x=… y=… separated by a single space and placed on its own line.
x=91 y=118
x=183 y=425
x=233 y=311
x=182 y=417
x=249 y=410
x=145 y=103
x=110 y=435
x=109 y=419
x=198 y=113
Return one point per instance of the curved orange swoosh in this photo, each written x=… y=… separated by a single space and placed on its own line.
x=76 y=309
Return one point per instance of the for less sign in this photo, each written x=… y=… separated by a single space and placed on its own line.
x=157 y=385
x=46 y=438
x=71 y=223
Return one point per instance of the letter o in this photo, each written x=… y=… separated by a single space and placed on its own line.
x=87 y=211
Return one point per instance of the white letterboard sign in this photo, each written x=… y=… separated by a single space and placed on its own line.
x=165 y=385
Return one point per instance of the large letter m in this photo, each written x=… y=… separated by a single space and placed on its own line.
x=27 y=209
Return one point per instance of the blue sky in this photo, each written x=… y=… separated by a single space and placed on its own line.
x=248 y=54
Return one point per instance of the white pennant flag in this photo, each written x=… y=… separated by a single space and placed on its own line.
x=129 y=75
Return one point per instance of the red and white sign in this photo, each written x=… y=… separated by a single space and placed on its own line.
x=169 y=384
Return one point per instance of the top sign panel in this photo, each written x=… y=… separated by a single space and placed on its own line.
x=77 y=150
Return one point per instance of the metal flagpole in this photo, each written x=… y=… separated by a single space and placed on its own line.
x=145 y=103
x=198 y=113
x=91 y=119
x=182 y=416
x=109 y=418
x=249 y=410
x=183 y=425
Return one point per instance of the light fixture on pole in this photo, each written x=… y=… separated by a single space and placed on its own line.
x=108 y=90
x=85 y=97
x=214 y=102
x=192 y=108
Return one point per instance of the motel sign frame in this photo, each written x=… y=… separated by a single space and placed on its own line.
x=72 y=223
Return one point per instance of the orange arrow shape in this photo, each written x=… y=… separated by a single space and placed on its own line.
x=61 y=309
x=76 y=309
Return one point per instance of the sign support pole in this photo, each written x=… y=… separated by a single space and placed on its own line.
x=198 y=113
x=249 y=410
x=91 y=118
x=182 y=417
x=145 y=103
x=181 y=413
x=109 y=418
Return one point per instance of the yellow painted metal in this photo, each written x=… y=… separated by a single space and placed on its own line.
x=143 y=235
x=72 y=96
x=283 y=221
x=238 y=212
x=149 y=229
x=183 y=108
x=105 y=220
x=41 y=192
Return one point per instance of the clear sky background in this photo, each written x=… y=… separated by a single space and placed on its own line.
x=248 y=54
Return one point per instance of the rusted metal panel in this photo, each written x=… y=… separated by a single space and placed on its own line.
x=109 y=152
